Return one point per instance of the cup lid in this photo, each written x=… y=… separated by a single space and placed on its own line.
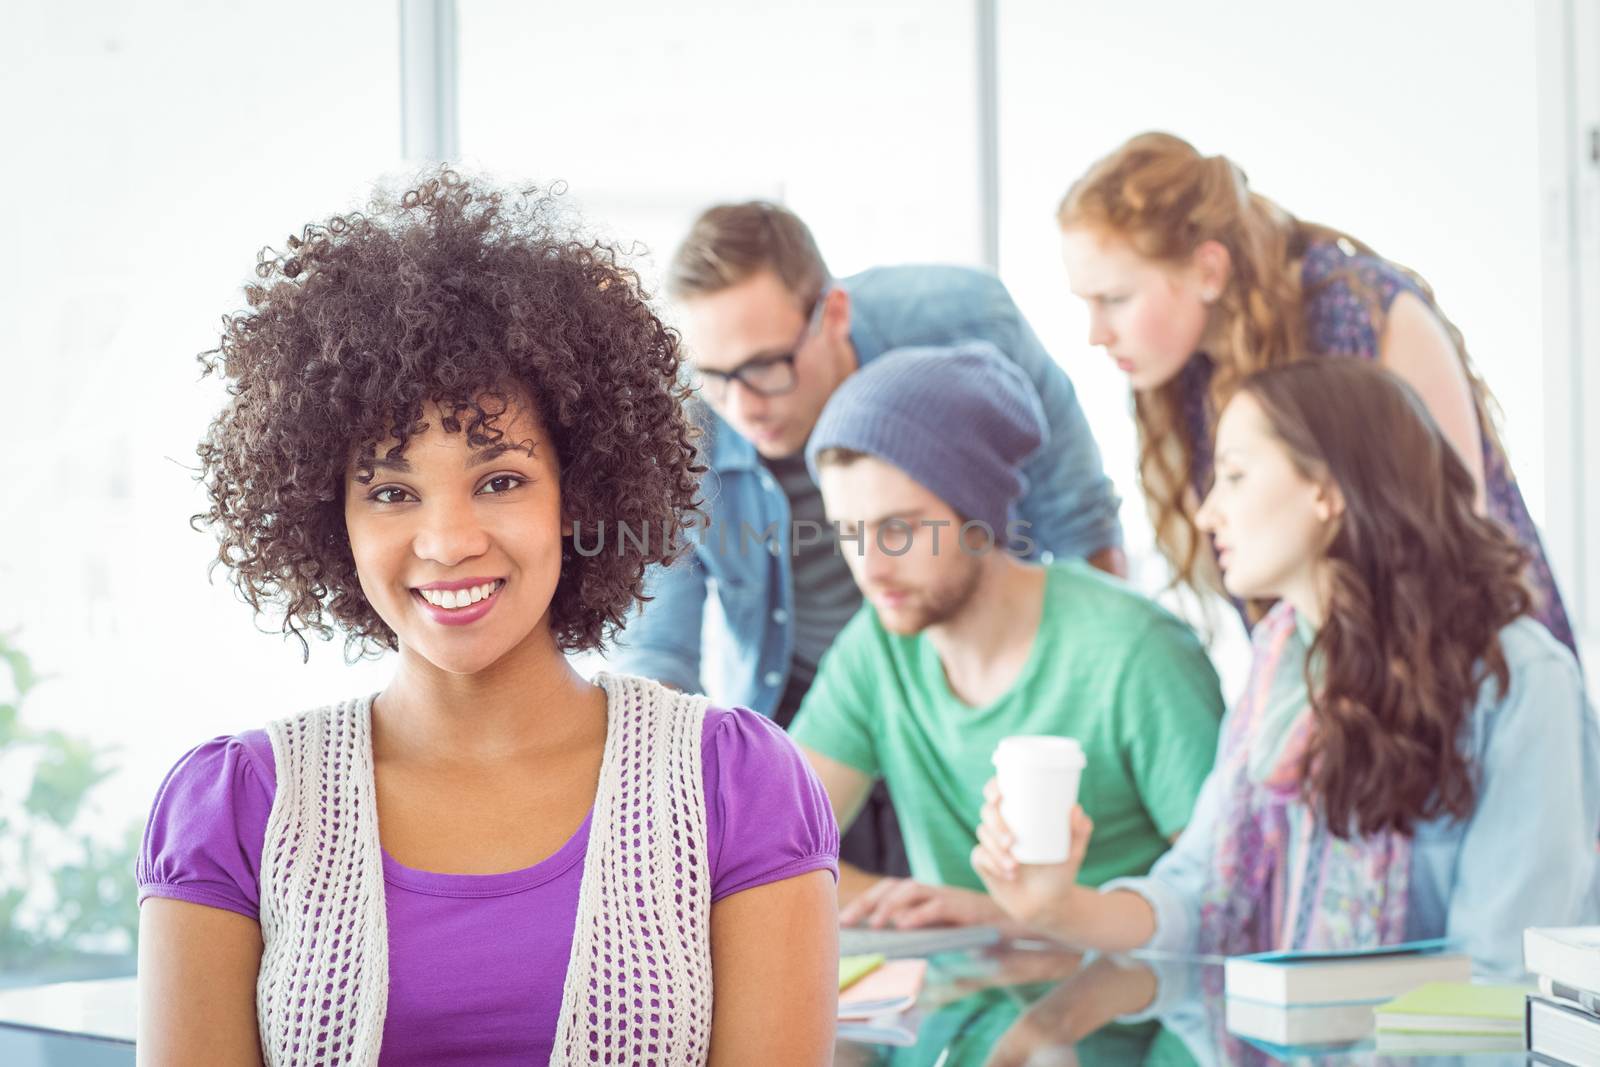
x=1041 y=750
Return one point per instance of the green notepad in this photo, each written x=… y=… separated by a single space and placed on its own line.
x=854 y=968
x=1455 y=1008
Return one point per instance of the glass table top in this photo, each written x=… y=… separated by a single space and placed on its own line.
x=1017 y=1003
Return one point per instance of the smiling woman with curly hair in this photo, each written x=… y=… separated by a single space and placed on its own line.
x=491 y=859
x=361 y=325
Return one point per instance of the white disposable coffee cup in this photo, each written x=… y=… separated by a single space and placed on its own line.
x=1038 y=777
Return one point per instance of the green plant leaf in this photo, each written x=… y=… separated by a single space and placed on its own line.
x=16 y=943
x=94 y=896
x=99 y=895
x=63 y=777
x=22 y=674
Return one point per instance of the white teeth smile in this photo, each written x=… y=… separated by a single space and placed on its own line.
x=459 y=598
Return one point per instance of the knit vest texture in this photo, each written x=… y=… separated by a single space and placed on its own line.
x=638 y=985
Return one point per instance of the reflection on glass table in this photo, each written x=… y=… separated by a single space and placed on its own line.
x=1010 y=1004
x=1029 y=1003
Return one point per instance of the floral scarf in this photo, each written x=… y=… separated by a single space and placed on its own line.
x=1279 y=880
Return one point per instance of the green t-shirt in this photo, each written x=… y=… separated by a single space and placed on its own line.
x=1108 y=667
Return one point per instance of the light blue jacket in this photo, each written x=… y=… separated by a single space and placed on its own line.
x=1526 y=856
x=721 y=621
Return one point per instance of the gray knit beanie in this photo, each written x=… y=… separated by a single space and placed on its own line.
x=960 y=420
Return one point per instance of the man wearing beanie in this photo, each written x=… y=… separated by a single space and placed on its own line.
x=961 y=643
x=770 y=334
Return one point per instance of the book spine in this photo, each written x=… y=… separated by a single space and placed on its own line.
x=1527 y=1022
x=1532 y=1037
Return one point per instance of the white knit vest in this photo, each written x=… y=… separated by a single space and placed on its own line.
x=638 y=985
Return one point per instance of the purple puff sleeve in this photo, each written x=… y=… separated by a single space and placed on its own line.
x=204 y=838
x=767 y=816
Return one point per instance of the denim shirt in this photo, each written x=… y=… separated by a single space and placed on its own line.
x=1524 y=857
x=733 y=598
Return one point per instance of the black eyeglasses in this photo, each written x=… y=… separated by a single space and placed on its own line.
x=765 y=375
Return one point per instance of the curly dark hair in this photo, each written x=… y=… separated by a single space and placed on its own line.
x=1421 y=586
x=449 y=294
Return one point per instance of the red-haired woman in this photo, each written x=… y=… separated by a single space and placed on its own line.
x=1194 y=281
x=1414 y=756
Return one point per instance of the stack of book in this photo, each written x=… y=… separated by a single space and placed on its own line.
x=1562 y=1020
x=1321 y=999
x=877 y=998
x=1442 y=1018
x=878 y=1003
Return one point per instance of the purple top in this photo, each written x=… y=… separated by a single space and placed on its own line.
x=477 y=962
x=1340 y=321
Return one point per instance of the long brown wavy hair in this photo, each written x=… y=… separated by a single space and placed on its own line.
x=1165 y=199
x=1420 y=585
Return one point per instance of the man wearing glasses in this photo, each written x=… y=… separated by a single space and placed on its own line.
x=769 y=336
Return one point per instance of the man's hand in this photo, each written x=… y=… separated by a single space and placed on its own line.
x=907 y=905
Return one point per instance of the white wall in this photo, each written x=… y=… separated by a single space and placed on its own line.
x=861 y=116
x=1569 y=128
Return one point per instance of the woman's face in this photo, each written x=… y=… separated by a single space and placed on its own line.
x=1149 y=317
x=1270 y=523
x=458 y=549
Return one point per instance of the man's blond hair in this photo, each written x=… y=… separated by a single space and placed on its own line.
x=730 y=242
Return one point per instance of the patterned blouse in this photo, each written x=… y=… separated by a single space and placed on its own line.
x=1340 y=322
